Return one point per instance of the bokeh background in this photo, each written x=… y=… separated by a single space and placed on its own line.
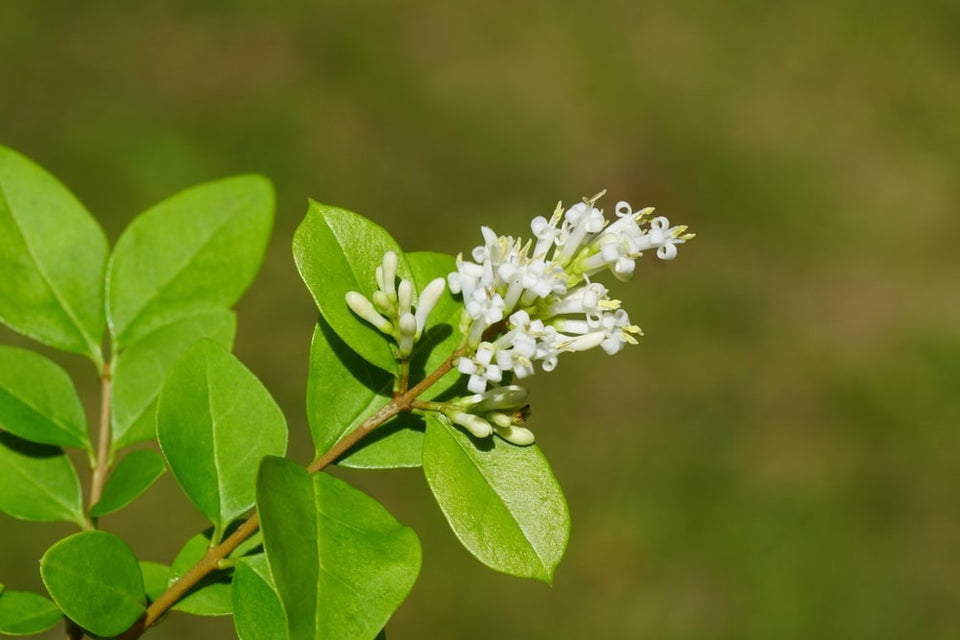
x=778 y=458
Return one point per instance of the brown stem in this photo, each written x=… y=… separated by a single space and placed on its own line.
x=214 y=555
x=103 y=439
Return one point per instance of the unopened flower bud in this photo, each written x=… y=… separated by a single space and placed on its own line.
x=359 y=304
x=500 y=420
x=405 y=296
x=516 y=435
x=383 y=303
x=499 y=399
x=406 y=334
x=387 y=274
x=428 y=300
x=476 y=425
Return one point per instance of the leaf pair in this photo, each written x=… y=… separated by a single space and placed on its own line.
x=193 y=252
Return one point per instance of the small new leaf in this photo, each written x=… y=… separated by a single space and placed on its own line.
x=133 y=475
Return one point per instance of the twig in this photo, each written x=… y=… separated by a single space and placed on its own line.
x=212 y=558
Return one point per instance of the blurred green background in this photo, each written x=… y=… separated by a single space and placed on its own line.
x=778 y=458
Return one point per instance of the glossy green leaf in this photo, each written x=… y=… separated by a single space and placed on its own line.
x=38 y=401
x=257 y=612
x=212 y=596
x=396 y=445
x=343 y=390
x=441 y=335
x=197 y=250
x=156 y=579
x=53 y=258
x=95 y=579
x=133 y=475
x=502 y=501
x=24 y=613
x=38 y=482
x=141 y=368
x=215 y=421
x=339 y=251
x=341 y=563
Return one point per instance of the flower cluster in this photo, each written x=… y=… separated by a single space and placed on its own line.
x=526 y=302
x=392 y=309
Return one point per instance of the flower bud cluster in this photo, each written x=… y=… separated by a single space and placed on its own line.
x=541 y=292
x=394 y=309
x=501 y=410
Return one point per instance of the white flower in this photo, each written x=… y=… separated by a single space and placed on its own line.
x=544 y=288
x=480 y=368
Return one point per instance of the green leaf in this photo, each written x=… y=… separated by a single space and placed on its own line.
x=441 y=335
x=197 y=250
x=95 y=579
x=134 y=475
x=38 y=401
x=396 y=445
x=257 y=612
x=38 y=482
x=156 y=579
x=339 y=251
x=215 y=421
x=212 y=596
x=24 y=613
x=343 y=390
x=341 y=563
x=502 y=501
x=53 y=258
x=141 y=368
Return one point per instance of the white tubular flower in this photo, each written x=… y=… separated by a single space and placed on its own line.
x=581 y=219
x=664 y=238
x=547 y=232
x=589 y=299
x=480 y=368
x=484 y=310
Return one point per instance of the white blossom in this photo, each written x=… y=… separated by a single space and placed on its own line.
x=544 y=288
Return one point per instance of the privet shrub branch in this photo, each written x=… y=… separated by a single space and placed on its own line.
x=416 y=361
